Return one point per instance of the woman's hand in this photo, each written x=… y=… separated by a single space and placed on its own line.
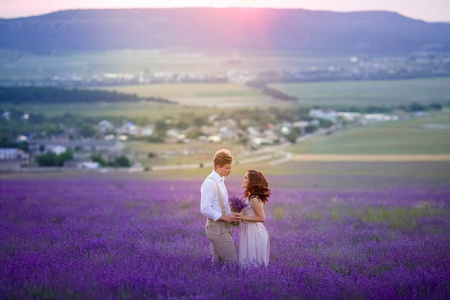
x=239 y=216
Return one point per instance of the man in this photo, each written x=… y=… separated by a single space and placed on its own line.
x=215 y=206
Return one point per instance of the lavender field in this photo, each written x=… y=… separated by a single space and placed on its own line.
x=101 y=238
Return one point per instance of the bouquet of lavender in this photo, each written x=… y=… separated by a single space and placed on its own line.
x=237 y=204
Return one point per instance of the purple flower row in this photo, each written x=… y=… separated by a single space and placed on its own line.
x=91 y=239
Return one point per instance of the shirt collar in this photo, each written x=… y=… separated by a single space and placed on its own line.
x=217 y=177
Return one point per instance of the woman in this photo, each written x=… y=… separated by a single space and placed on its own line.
x=254 y=244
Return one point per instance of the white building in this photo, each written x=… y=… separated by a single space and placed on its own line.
x=58 y=149
x=330 y=115
x=350 y=116
x=379 y=118
x=105 y=126
x=13 y=158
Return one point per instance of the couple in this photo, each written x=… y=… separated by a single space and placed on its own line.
x=254 y=240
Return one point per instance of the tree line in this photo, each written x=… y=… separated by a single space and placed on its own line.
x=21 y=95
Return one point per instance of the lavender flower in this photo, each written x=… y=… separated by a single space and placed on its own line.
x=237 y=204
x=382 y=237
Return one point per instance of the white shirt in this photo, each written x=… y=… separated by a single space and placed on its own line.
x=210 y=205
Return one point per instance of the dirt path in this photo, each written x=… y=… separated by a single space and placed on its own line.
x=387 y=157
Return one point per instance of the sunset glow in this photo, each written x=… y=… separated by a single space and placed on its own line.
x=428 y=10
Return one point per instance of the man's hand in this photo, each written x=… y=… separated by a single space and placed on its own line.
x=239 y=216
x=229 y=218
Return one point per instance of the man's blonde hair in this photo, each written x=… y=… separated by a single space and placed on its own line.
x=222 y=157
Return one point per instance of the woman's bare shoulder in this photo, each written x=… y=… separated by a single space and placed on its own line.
x=255 y=200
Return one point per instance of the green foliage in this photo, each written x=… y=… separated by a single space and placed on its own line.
x=155 y=139
x=5 y=143
x=141 y=121
x=47 y=160
x=50 y=129
x=183 y=124
x=50 y=159
x=88 y=131
x=325 y=123
x=161 y=126
x=123 y=161
x=416 y=107
x=399 y=218
x=435 y=106
x=292 y=137
x=200 y=121
x=310 y=128
x=193 y=134
x=63 y=157
x=59 y=95
x=98 y=159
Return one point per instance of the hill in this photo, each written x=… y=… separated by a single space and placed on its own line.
x=214 y=28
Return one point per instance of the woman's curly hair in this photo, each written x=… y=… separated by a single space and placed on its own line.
x=257 y=186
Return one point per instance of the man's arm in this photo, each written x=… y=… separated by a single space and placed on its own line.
x=208 y=192
x=228 y=218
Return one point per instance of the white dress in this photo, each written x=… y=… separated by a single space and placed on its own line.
x=254 y=243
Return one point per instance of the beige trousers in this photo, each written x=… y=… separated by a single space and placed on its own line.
x=222 y=246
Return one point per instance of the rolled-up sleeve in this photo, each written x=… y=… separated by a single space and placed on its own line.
x=208 y=193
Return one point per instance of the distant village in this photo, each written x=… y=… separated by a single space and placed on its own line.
x=418 y=65
x=106 y=148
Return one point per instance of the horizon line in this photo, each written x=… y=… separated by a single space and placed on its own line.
x=215 y=7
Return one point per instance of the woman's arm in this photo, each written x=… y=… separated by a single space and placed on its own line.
x=259 y=211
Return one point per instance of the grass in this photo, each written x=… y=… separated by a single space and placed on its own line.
x=23 y=65
x=151 y=110
x=366 y=93
x=177 y=154
x=401 y=217
x=187 y=90
x=404 y=137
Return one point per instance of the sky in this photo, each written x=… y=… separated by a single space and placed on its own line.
x=427 y=10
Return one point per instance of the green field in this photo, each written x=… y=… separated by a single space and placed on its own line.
x=23 y=65
x=28 y=66
x=151 y=110
x=194 y=152
x=187 y=90
x=413 y=136
x=366 y=93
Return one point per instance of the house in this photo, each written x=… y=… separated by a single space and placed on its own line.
x=302 y=125
x=90 y=165
x=113 y=149
x=255 y=142
x=13 y=158
x=147 y=131
x=130 y=128
x=329 y=114
x=172 y=133
x=22 y=138
x=379 y=118
x=228 y=133
x=350 y=116
x=105 y=126
x=76 y=163
x=214 y=139
x=253 y=132
x=58 y=149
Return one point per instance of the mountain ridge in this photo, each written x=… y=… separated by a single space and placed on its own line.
x=234 y=28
